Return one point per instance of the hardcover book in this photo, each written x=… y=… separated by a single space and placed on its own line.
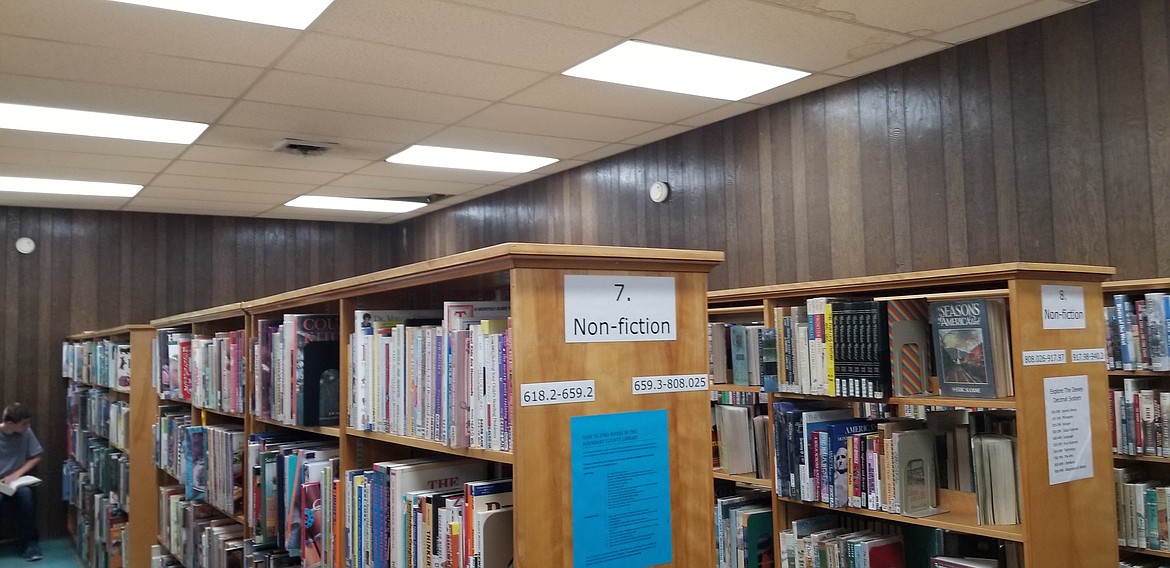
x=972 y=353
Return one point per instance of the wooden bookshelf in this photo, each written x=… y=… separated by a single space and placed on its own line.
x=1052 y=532
x=1158 y=466
x=139 y=445
x=531 y=277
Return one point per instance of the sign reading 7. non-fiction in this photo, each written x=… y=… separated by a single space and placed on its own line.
x=619 y=308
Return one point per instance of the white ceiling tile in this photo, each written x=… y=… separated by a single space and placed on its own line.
x=386 y=169
x=230 y=171
x=771 y=34
x=604 y=152
x=415 y=186
x=231 y=185
x=193 y=207
x=228 y=198
x=610 y=99
x=728 y=110
x=55 y=60
x=109 y=98
x=148 y=30
x=326 y=124
x=52 y=158
x=271 y=159
x=282 y=87
x=656 y=134
x=511 y=142
x=242 y=138
x=381 y=64
x=61 y=201
x=465 y=31
x=88 y=144
x=548 y=122
x=916 y=17
x=795 y=89
x=1018 y=17
x=902 y=53
x=618 y=17
x=55 y=171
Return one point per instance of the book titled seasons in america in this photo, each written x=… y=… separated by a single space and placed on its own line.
x=972 y=350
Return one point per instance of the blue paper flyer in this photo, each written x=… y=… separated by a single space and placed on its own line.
x=621 y=490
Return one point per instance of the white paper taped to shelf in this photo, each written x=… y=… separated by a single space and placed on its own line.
x=619 y=308
x=669 y=383
x=1045 y=357
x=1062 y=307
x=559 y=392
x=1096 y=355
x=1070 y=434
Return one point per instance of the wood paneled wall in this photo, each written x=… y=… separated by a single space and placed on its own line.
x=98 y=269
x=1049 y=142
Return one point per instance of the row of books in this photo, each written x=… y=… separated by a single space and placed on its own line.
x=422 y=512
x=170 y=440
x=197 y=533
x=94 y=411
x=449 y=383
x=286 y=480
x=206 y=370
x=1141 y=509
x=297 y=369
x=895 y=465
x=1137 y=332
x=101 y=516
x=741 y=439
x=102 y=363
x=870 y=349
x=105 y=470
x=834 y=541
x=743 y=530
x=1140 y=417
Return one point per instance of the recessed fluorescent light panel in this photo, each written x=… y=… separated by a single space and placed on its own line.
x=68 y=187
x=439 y=157
x=355 y=204
x=650 y=66
x=86 y=123
x=295 y=14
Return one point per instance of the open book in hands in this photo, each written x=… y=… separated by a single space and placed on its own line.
x=23 y=481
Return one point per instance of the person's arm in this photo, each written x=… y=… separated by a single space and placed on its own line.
x=20 y=471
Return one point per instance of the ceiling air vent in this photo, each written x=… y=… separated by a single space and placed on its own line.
x=303 y=147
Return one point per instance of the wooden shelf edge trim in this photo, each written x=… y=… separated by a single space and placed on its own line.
x=1151 y=552
x=744 y=479
x=948 y=521
x=941 y=278
x=325 y=430
x=489 y=455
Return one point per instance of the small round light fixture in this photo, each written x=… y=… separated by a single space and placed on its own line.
x=659 y=191
x=25 y=245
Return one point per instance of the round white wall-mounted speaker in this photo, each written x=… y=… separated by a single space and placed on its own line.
x=659 y=191
x=25 y=245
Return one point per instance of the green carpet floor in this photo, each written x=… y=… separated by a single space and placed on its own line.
x=58 y=554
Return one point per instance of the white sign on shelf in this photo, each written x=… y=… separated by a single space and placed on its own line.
x=619 y=308
x=559 y=392
x=1096 y=355
x=669 y=383
x=1062 y=307
x=1045 y=357
x=1070 y=435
